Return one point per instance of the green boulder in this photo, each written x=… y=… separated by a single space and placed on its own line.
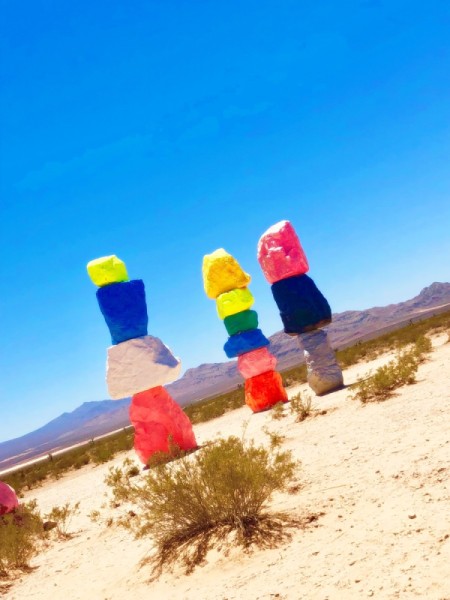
x=241 y=321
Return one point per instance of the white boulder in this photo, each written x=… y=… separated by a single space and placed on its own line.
x=323 y=371
x=139 y=364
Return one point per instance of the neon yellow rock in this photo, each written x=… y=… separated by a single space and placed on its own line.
x=222 y=273
x=233 y=302
x=106 y=270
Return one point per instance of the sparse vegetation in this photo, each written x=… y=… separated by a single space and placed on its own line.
x=422 y=347
x=20 y=535
x=105 y=449
x=63 y=515
x=301 y=407
x=401 y=371
x=215 y=496
x=214 y=407
x=96 y=452
x=94 y=516
x=394 y=340
x=294 y=375
x=275 y=438
x=277 y=411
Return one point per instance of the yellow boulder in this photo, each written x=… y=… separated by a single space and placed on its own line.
x=222 y=273
x=106 y=270
x=233 y=302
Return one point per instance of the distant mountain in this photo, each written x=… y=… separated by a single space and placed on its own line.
x=92 y=419
x=89 y=420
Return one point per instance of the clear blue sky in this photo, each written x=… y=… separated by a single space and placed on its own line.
x=160 y=131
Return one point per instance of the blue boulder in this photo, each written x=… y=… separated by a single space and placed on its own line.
x=125 y=310
x=302 y=306
x=246 y=341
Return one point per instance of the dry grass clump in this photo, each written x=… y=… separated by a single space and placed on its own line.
x=275 y=438
x=277 y=411
x=401 y=371
x=215 y=498
x=62 y=516
x=20 y=534
x=301 y=408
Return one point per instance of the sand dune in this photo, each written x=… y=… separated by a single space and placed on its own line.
x=379 y=473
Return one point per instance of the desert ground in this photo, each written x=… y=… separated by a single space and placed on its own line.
x=379 y=473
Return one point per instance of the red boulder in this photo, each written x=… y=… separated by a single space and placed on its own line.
x=159 y=422
x=264 y=390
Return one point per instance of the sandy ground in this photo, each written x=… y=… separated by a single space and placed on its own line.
x=379 y=473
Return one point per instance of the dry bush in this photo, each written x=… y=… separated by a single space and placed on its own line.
x=422 y=347
x=398 y=372
x=63 y=515
x=20 y=534
x=301 y=407
x=214 y=498
x=277 y=411
x=275 y=438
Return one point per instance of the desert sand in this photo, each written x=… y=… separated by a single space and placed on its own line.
x=379 y=474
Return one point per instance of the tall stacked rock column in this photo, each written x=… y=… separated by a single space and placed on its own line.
x=139 y=364
x=303 y=309
x=226 y=282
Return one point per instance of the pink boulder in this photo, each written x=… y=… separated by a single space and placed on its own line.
x=280 y=253
x=8 y=499
x=159 y=423
x=256 y=362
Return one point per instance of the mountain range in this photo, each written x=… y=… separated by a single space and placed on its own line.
x=93 y=419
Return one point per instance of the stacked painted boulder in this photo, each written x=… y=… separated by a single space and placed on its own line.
x=303 y=308
x=8 y=499
x=225 y=281
x=139 y=364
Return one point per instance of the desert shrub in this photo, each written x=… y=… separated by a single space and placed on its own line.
x=300 y=407
x=422 y=347
x=381 y=384
x=202 y=501
x=398 y=372
x=63 y=516
x=275 y=438
x=102 y=454
x=277 y=411
x=94 y=516
x=20 y=535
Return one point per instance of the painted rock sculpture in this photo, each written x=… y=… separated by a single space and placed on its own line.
x=303 y=308
x=224 y=280
x=8 y=499
x=139 y=364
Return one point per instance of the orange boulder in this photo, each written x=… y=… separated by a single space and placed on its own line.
x=264 y=390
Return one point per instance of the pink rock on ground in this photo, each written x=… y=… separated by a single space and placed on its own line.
x=256 y=362
x=280 y=253
x=8 y=499
x=159 y=422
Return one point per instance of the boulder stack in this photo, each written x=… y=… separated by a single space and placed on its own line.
x=226 y=282
x=138 y=364
x=303 y=308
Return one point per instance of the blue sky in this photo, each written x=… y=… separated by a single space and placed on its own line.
x=160 y=131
